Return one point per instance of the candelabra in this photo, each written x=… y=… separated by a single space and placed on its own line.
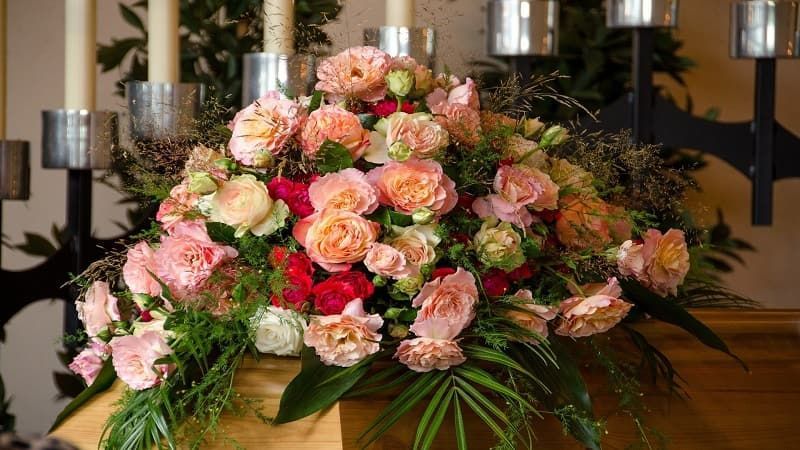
x=760 y=149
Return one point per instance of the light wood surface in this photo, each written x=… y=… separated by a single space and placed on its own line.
x=729 y=408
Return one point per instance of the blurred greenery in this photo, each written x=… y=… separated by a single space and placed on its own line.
x=215 y=34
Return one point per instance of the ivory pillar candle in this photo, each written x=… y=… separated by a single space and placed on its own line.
x=3 y=75
x=79 y=56
x=400 y=13
x=279 y=26
x=163 y=43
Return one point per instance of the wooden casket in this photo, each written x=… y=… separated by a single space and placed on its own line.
x=728 y=407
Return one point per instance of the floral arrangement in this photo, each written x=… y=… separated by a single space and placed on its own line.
x=395 y=230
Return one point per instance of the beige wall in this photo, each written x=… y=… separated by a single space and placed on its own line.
x=36 y=83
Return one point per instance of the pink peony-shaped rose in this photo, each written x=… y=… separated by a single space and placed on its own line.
x=419 y=132
x=187 y=258
x=244 y=203
x=386 y=261
x=347 y=190
x=134 y=359
x=414 y=184
x=335 y=239
x=263 y=129
x=518 y=187
x=452 y=298
x=465 y=94
x=336 y=124
x=531 y=316
x=660 y=264
x=630 y=260
x=173 y=209
x=585 y=316
x=88 y=363
x=434 y=348
x=357 y=72
x=462 y=122
x=345 y=339
x=98 y=308
x=139 y=268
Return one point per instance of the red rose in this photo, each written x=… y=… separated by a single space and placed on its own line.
x=522 y=272
x=386 y=108
x=442 y=272
x=277 y=256
x=331 y=295
x=298 y=201
x=495 y=283
x=300 y=263
x=280 y=188
x=296 y=292
x=465 y=201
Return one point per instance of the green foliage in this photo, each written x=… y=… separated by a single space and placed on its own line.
x=333 y=157
x=103 y=381
x=216 y=34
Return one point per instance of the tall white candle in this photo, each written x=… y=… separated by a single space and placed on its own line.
x=163 y=43
x=279 y=26
x=79 y=56
x=3 y=76
x=400 y=13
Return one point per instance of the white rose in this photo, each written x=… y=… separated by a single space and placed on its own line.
x=244 y=203
x=279 y=331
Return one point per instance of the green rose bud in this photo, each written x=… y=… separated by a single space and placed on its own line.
x=400 y=82
x=201 y=183
x=104 y=335
x=400 y=151
x=423 y=216
x=262 y=159
x=553 y=136
x=378 y=281
x=409 y=285
x=499 y=245
x=529 y=128
x=225 y=164
x=392 y=313
x=398 y=331
x=143 y=301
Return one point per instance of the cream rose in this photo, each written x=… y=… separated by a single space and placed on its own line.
x=347 y=190
x=499 y=245
x=244 y=203
x=279 y=331
x=417 y=243
x=335 y=239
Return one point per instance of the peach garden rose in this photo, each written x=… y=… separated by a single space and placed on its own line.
x=387 y=261
x=434 y=348
x=345 y=339
x=347 y=190
x=417 y=243
x=531 y=316
x=357 y=72
x=518 y=187
x=661 y=263
x=336 y=239
x=419 y=132
x=262 y=130
x=452 y=298
x=414 y=184
x=596 y=309
x=336 y=124
x=138 y=269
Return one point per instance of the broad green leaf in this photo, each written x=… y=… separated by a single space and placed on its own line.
x=368 y=120
x=220 y=232
x=103 y=381
x=333 y=157
x=316 y=101
x=316 y=387
x=667 y=310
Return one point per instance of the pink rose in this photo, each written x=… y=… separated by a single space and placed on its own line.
x=173 y=209
x=187 y=258
x=531 y=316
x=386 y=261
x=462 y=122
x=598 y=313
x=518 y=187
x=660 y=264
x=98 y=308
x=404 y=62
x=345 y=339
x=262 y=129
x=335 y=239
x=336 y=124
x=357 y=72
x=134 y=359
x=138 y=269
x=414 y=184
x=243 y=202
x=89 y=362
x=465 y=94
x=611 y=288
x=452 y=298
x=419 y=132
x=434 y=348
x=347 y=190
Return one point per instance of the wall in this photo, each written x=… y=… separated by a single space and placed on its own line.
x=35 y=83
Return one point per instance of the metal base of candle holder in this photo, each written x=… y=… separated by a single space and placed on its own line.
x=418 y=43
x=641 y=13
x=765 y=29
x=78 y=139
x=523 y=27
x=160 y=111
x=15 y=170
x=291 y=75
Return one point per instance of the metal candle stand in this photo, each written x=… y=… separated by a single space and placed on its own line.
x=416 y=42
x=292 y=75
x=81 y=141
x=761 y=149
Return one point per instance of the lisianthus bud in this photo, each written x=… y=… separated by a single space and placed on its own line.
x=531 y=127
x=392 y=313
x=398 y=331
x=201 y=183
x=379 y=281
x=225 y=164
x=400 y=152
x=423 y=216
x=553 y=136
x=400 y=82
x=409 y=285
